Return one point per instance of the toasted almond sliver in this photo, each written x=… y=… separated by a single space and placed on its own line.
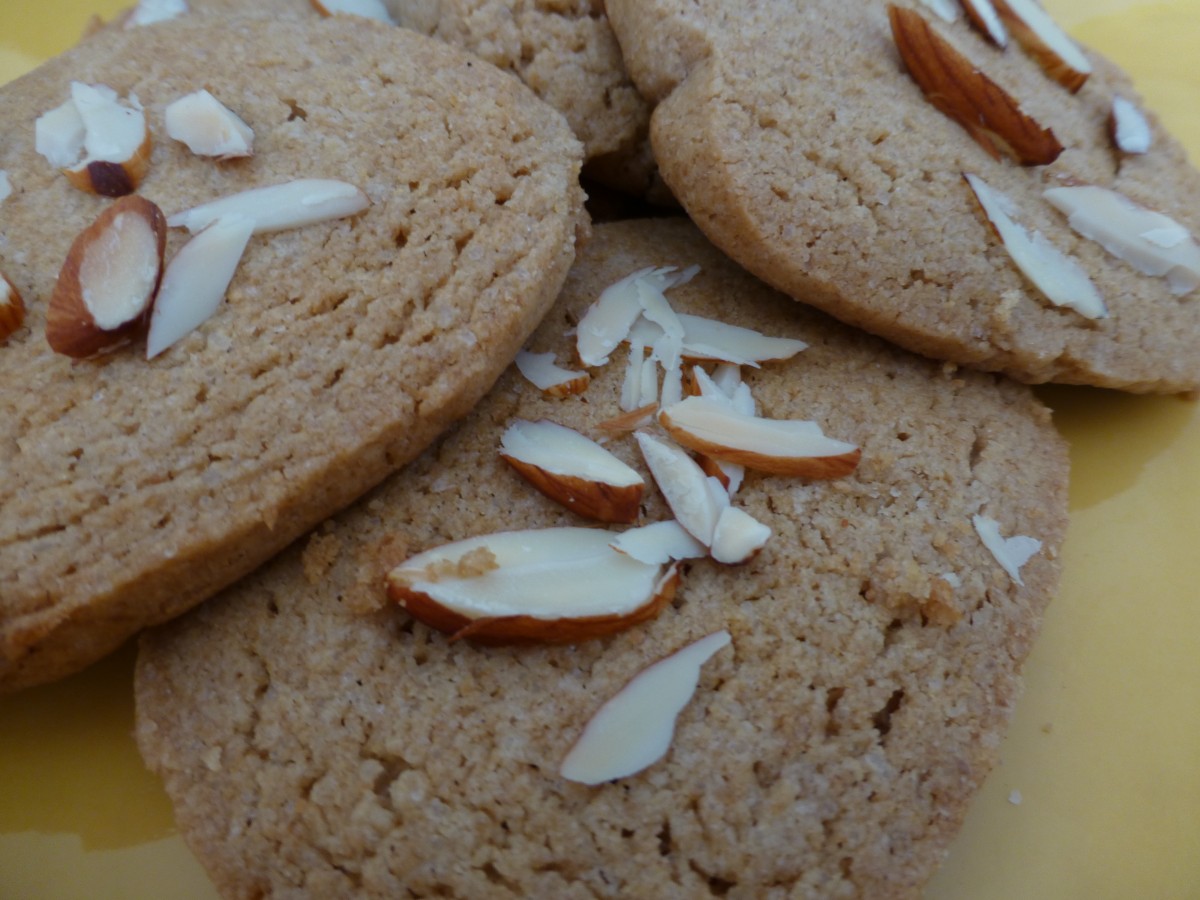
x=1046 y=42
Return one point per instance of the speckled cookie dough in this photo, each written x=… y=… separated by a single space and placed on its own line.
x=798 y=142
x=317 y=741
x=132 y=489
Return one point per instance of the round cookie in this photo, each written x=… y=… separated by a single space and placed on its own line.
x=133 y=489
x=315 y=740
x=798 y=142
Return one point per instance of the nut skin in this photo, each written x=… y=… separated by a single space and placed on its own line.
x=112 y=179
x=12 y=309
x=590 y=499
x=71 y=328
x=1052 y=64
x=963 y=93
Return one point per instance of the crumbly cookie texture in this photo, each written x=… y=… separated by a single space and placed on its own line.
x=316 y=740
x=797 y=140
x=132 y=489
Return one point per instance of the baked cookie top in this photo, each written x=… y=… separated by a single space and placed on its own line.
x=313 y=737
x=133 y=488
x=796 y=138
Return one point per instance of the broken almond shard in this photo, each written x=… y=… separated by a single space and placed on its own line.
x=629 y=421
x=608 y=321
x=684 y=486
x=12 y=308
x=195 y=282
x=208 y=127
x=108 y=281
x=116 y=141
x=982 y=14
x=659 y=543
x=1011 y=553
x=1128 y=127
x=292 y=204
x=58 y=135
x=369 y=9
x=550 y=585
x=548 y=377
x=1042 y=39
x=738 y=537
x=953 y=84
x=634 y=728
x=1152 y=243
x=573 y=470
x=147 y=12
x=709 y=339
x=775 y=446
x=1058 y=277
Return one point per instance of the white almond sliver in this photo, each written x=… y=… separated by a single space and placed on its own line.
x=368 y=9
x=195 y=282
x=631 y=386
x=983 y=16
x=634 y=729
x=546 y=375
x=5 y=185
x=208 y=127
x=1057 y=276
x=59 y=134
x=683 y=484
x=147 y=12
x=608 y=321
x=738 y=536
x=1130 y=130
x=1046 y=42
x=1152 y=243
x=659 y=543
x=1011 y=553
x=113 y=130
x=292 y=204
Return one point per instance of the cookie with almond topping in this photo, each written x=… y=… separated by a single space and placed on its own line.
x=824 y=146
x=315 y=737
x=133 y=488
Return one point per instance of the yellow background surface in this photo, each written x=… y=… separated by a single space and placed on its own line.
x=1098 y=791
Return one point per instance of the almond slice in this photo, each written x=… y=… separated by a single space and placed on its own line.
x=775 y=446
x=147 y=12
x=208 y=127
x=369 y=9
x=1059 y=278
x=116 y=142
x=738 y=537
x=629 y=421
x=1011 y=553
x=292 y=204
x=553 y=585
x=634 y=728
x=548 y=377
x=195 y=282
x=944 y=9
x=659 y=543
x=573 y=470
x=982 y=14
x=1152 y=243
x=709 y=339
x=633 y=394
x=1042 y=39
x=953 y=84
x=12 y=308
x=5 y=185
x=607 y=321
x=684 y=485
x=108 y=280
x=1128 y=127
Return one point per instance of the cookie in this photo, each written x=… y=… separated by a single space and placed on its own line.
x=797 y=140
x=316 y=740
x=133 y=488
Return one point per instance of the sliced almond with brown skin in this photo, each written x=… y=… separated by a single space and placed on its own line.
x=738 y=537
x=953 y=84
x=573 y=470
x=634 y=728
x=12 y=308
x=116 y=142
x=1056 y=53
x=628 y=422
x=1128 y=128
x=557 y=585
x=775 y=446
x=547 y=376
x=208 y=127
x=278 y=207
x=982 y=14
x=108 y=281
x=368 y=9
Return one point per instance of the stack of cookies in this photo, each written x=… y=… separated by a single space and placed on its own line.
x=689 y=552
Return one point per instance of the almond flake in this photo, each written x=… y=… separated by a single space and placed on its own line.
x=634 y=728
x=659 y=543
x=709 y=339
x=292 y=204
x=684 y=486
x=607 y=322
x=5 y=186
x=208 y=127
x=1011 y=553
x=368 y=9
x=983 y=15
x=1041 y=37
x=946 y=10
x=12 y=308
x=738 y=537
x=1129 y=129
x=546 y=375
x=147 y=12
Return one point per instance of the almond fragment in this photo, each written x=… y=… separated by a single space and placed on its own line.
x=982 y=14
x=550 y=585
x=58 y=135
x=628 y=422
x=738 y=537
x=1128 y=128
x=5 y=185
x=684 y=485
x=195 y=282
x=208 y=127
x=634 y=728
x=1011 y=553
x=369 y=9
x=1152 y=243
x=108 y=281
x=1042 y=39
x=947 y=10
x=12 y=308
x=709 y=339
x=292 y=204
x=658 y=543
x=116 y=142
x=1057 y=276
x=959 y=90
x=607 y=321
x=775 y=446
x=550 y=378
x=147 y=12
x=573 y=470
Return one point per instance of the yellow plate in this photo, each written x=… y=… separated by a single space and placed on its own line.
x=1098 y=791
